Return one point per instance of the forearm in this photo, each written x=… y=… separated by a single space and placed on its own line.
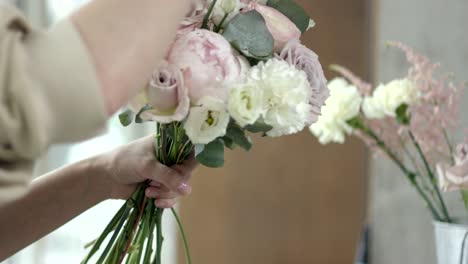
x=127 y=39
x=52 y=200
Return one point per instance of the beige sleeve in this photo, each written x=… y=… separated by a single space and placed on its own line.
x=49 y=92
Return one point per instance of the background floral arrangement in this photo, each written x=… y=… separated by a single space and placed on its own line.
x=236 y=67
x=410 y=120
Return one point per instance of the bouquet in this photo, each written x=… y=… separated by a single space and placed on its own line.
x=236 y=67
x=409 y=120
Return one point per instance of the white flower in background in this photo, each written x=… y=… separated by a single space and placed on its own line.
x=229 y=8
x=343 y=105
x=207 y=120
x=387 y=98
x=245 y=103
x=286 y=96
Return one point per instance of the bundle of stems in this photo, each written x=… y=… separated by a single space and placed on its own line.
x=135 y=234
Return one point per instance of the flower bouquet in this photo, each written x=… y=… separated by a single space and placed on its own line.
x=411 y=121
x=236 y=67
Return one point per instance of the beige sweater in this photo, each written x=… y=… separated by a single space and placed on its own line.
x=49 y=93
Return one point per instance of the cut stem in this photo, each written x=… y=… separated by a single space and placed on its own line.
x=431 y=176
x=182 y=233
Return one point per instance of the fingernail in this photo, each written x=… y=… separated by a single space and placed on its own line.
x=151 y=193
x=184 y=189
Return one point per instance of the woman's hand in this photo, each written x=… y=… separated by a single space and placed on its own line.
x=132 y=164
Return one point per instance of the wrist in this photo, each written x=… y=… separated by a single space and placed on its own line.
x=99 y=179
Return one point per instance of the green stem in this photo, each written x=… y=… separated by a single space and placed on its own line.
x=159 y=236
x=218 y=28
x=115 y=235
x=410 y=175
x=113 y=225
x=450 y=147
x=431 y=176
x=141 y=210
x=208 y=15
x=152 y=224
x=182 y=233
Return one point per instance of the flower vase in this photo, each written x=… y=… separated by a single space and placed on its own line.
x=451 y=243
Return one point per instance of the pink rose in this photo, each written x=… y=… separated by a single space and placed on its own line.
x=166 y=93
x=306 y=60
x=453 y=178
x=280 y=26
x=208 y=62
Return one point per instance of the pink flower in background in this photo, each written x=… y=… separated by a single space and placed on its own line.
x=364 y=88
x=306 y=60
x=453 y=178
x=194 y=19
x=167 y=95
x=280 y=26
x=208 y=62
x=436 y=112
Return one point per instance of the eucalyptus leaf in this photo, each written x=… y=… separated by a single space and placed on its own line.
x=293 y=11
x=229 y=143
x=210 y=155
x=126 y=118
x=237 y=135
x=142 y=110
x=248 y=33
x=259 y=127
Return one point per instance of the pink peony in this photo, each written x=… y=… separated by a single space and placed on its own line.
x=280 y=26
x=453 y=178
x=166 y=93
x=208 y=62
x=306 y=60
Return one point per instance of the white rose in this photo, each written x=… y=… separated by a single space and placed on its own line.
x=286 y=96
x=229 y=8
x=207 y=120
x=245 y=103
x=342 y=105
x=387 y=98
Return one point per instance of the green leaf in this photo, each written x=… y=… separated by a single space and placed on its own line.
x=464 y=194
x=126 y=118
x=259 y=127
x=211 y=155
x=248 y=33
x=402 y=114
x=293 y=11
x=229 y=143
x=237 y=135
x=142 y=110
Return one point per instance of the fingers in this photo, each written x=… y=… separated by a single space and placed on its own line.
x=165 y=203
x=158 y=193
x=188 y=166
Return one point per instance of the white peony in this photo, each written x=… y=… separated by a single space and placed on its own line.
x=343 y=105
x=207 y=120
x=387 y=98
x=228 y=8
x=286 y=96
x=245 y=103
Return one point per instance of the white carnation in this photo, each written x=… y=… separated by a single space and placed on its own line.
x=207 y=120
x=245 y=103
x=387 y=98
x=343 y=105
x=286 y=95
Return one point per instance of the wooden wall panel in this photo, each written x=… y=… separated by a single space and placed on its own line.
x=290 y=200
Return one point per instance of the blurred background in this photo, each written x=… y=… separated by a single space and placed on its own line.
x=292 y=200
